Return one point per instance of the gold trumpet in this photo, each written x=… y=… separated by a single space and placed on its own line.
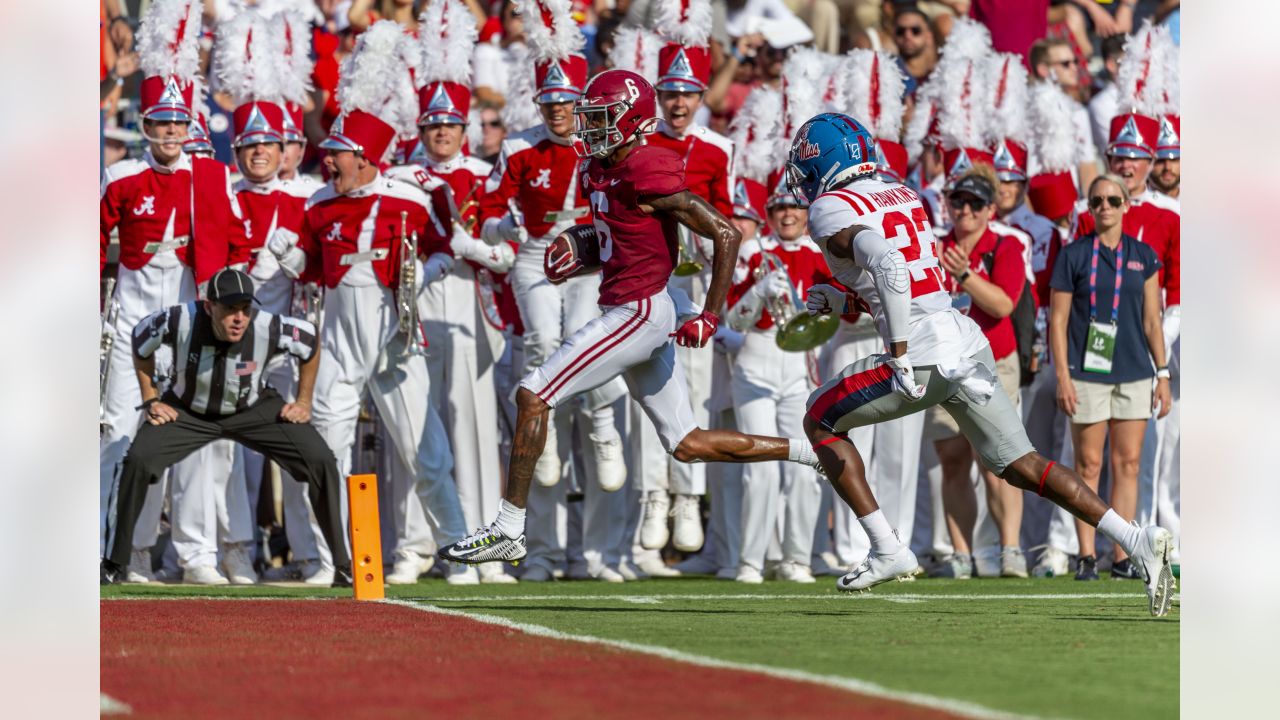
x=686 y=264
x=798 y=331
x=407 y=292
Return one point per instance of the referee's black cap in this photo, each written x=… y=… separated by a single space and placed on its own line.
x=230 y=287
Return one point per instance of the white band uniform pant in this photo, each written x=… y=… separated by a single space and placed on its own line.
x=770 y=387
x=361 y=348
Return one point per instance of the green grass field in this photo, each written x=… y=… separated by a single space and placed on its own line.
x=1053 y=648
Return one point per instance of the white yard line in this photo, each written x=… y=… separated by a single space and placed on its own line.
x=856 y=597
x=957 y=707
x=112 y=706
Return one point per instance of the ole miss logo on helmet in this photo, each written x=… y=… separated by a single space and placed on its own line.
x=808 y=150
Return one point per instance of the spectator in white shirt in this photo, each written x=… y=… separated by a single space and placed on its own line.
x=1053 y=61
x=1103 y=106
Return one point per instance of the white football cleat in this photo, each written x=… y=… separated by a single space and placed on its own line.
x=611 y=472
x=687 y=536
x=877 y=569
x=409 y=566
x=749 y=575
x=653 y=528
x=237 y=563
x=203 y=575
x=794 y=572
x=486 y=544
x=140 y=567
x=1152 y=560
x=546 y=472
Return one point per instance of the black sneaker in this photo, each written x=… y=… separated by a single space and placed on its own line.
x=1125 y=570
x=342 y=577
x=110 y=573
x=1087 y=568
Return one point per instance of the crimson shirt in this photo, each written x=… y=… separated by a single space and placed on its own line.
x=637 y=250
x=1008 y=272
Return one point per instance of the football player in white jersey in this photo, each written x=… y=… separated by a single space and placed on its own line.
x=877 y=241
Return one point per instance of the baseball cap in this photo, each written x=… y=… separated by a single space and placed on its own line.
x=976 y=186
x=230 y=287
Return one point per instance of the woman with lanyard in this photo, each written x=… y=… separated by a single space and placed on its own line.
x=1107 y=341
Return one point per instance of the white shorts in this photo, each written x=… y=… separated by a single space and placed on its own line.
x=632 y=340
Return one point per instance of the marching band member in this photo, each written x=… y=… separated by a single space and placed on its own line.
x=353 y=237
x=177 y=219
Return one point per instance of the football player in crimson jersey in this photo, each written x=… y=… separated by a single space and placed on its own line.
x=638 y=197
x=877 y=240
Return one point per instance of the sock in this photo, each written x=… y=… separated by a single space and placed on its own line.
x=602 y=423
x=1118 y=531
x=510 y=520
x=884 y=541
x=802 y=452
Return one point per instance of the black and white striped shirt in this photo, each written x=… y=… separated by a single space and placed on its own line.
x=212 y=376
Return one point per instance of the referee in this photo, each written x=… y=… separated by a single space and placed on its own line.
x=221 y=349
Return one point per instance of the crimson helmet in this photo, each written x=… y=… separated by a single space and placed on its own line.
x=616 y=106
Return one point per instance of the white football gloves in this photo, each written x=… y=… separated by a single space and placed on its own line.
x=904 y=378
x=824 y=299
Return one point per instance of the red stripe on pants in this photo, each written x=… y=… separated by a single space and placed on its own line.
x=846 y=387
x=581 y=362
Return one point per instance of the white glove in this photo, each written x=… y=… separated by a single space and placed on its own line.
x=727 y=340
x=435 y=268
x=824 y=299
x=774 y=285
x=496 y=230
x=283 y=243
x=904 y=378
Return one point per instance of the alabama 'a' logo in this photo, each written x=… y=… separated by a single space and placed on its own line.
x=335 y=233
x=147 y=207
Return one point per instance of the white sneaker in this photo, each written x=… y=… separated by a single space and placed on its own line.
x=611 y=472
x=547 y=470
x=957 y=566
x=794 y=572
x=654 y=567
x=237 y=563
x=495 y=574
x=536 y=573
x=409 y=566
x=609 y=575
x=203 y=575
x=631 y=572
x=1012 y=562
x=140 y=567
x=1053 y=563
x=1152 y=560
x=321 y=575
x=878 y=569
x=749 y=575
x=653 y=528
x=687 y=511
x=462 y=574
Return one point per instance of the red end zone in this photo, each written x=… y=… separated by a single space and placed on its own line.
x=318 y=659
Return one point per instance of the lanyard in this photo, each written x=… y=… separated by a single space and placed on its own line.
x=1093 y=281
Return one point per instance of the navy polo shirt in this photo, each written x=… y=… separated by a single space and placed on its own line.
x=1132 y=359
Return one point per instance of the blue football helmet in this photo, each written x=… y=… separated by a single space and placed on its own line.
x=829 y=150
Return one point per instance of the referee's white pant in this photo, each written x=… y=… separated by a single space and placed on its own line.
x=890 y=450
x=770 y=387
x=550 y=314
x=362 y=348
x=161 y=283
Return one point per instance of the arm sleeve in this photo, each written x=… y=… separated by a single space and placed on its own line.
x=873 y=253
x=498 y=188
x=108 y=218
x=155 y=330
x=1063 y=278
x=1009 y=271
x=296 y=337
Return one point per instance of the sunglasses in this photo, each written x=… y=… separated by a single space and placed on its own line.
x=1114 y=201
x=1066 y=63
x=492 y=124
x=908 y=30
x=958 y=203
